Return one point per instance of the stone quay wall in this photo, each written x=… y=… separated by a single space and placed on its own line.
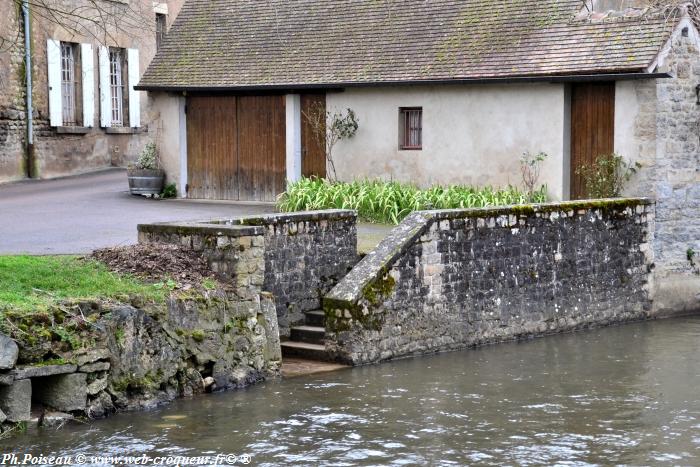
x=144 y=354
x=305 y=253
x=446 y=280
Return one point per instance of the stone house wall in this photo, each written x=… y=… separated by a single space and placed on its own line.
x=306 y=254
x=56 y=153
x=445 y=280
x=664 y=136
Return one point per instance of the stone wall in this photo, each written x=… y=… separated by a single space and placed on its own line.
x=444 y=280
x=131 y=24
x=665 y=139
x=138 y=355
x=12 y=94
x=305 y=253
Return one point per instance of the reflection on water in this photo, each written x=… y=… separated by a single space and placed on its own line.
x=623 y=395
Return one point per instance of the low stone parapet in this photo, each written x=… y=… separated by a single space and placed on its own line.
x=305 y=253
x=445 y=280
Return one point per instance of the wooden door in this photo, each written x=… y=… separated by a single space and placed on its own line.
x=262 y=147
x=236 y=147
x=592 y=128
x=212 y=148
x=313 y=150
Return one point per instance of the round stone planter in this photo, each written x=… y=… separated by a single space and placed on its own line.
x=145 y=181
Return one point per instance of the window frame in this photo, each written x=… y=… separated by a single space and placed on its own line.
x=161 y=29
x=408 y=129
x=71 y=84
x=118 y=87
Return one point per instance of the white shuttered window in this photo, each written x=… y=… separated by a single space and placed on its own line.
x=119 y=73
x=71 y=83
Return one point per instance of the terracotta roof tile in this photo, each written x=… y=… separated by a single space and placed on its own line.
x=249 y=43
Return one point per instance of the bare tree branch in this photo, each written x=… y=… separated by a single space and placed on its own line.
x=100 y=21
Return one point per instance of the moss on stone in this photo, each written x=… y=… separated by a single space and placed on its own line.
x=375 y=291
x=198 y=335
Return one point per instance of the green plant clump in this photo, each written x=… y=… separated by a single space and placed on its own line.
x=169 y=191
x=607 y=176
x=390 y=202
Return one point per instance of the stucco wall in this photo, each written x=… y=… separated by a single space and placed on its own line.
x=472 y=135
x=167 y=109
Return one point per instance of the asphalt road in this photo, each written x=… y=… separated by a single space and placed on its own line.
x=80 y=214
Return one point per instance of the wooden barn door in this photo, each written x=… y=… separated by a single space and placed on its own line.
x=592 y=128
x=212 y=148
x=236 y=147
x=313 y=151
x=262 y=147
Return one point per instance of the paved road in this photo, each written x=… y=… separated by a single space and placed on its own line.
x=79 y=214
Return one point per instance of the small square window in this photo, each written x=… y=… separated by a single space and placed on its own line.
x=410 y=128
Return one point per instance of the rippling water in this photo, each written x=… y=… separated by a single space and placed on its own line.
x=623 y=395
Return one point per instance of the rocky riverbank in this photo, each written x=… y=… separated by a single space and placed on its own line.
x=88 y=359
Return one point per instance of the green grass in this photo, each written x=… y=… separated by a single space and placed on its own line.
x=390 y=202
x=36 y=282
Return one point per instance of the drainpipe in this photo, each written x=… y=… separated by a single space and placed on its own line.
x=28 y=74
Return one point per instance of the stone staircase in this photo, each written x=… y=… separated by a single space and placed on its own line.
x=307 y=341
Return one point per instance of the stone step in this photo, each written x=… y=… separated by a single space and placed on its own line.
x=310 y=334
x=304 y=350
x=316 y=318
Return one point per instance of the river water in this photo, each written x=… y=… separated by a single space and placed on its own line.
x=620 y=395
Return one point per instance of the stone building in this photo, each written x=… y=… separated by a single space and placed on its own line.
x=446 y=92
x=85 y=59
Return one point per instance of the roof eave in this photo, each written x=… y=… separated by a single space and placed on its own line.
x=355 y=84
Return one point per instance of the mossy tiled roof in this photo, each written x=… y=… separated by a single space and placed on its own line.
x=251 y=43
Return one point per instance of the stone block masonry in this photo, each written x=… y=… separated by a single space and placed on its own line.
x=305 y=254
x=445 y=280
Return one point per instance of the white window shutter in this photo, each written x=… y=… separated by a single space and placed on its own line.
x=134 y=96
x=105 y=90
x=53 y=58
x=87 y=64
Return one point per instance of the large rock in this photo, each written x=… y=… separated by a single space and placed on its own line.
x=42 y=371
x=16 y=400
x=100 y=406
x=62 y=392
x=55 y=419
x=6 y=379
x=8 y=352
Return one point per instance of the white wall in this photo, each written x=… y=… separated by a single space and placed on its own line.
x=170 y=136
x=472 y=135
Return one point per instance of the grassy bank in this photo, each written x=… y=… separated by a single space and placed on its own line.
x=390 y=202
x=36 y=282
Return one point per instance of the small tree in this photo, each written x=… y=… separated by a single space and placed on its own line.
x=328 y=128
x=530 y=165
x=607 y=176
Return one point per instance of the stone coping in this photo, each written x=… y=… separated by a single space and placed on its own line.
x=378 y=262
x=202 y=228
x=244 y=226
x=287 y=217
